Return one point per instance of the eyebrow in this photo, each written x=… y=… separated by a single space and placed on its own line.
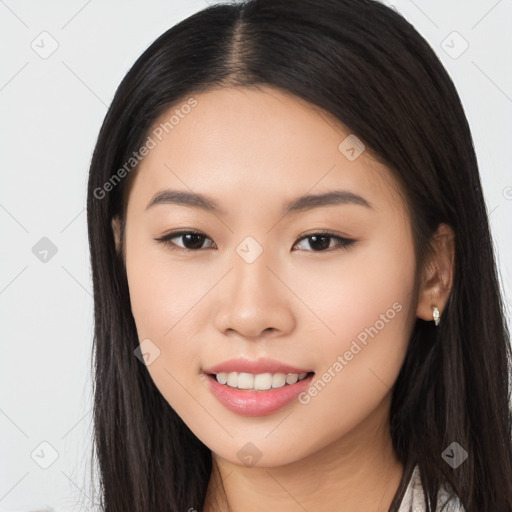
x=300 y=204
x=332 y=198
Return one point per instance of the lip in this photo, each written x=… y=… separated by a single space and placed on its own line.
x=257 y=403
x=242 y=365
x=247 y=402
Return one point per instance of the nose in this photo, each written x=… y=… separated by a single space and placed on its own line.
x=254 y=302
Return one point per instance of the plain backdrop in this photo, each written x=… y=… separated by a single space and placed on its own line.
x=61 y=64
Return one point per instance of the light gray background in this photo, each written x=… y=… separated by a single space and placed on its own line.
x=51 y=111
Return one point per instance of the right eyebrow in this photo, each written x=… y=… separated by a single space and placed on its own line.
x=184 y=198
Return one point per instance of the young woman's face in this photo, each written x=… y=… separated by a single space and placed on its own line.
x=260 y=281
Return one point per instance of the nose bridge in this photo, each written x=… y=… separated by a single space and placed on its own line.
x=254 y=300
x=251 y=273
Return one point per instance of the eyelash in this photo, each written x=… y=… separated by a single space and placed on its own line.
x=344 y=243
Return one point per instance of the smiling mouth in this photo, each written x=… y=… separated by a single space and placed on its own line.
x=260 y=381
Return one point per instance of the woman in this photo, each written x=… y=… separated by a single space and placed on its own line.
x=296 y=302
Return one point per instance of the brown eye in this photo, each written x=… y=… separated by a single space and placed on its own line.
x=192 y=240
x=321 y=242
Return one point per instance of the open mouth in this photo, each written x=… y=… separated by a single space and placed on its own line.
x=260 y=381
x=257 y=394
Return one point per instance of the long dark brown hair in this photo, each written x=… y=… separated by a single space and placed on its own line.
x=366 y=65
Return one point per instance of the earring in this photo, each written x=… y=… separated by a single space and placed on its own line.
x=436 y=315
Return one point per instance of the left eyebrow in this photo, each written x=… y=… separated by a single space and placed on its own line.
x=332 y=198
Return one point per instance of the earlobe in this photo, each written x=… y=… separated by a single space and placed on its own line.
x=437 y=278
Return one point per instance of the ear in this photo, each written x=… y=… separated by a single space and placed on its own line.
x=116 y=229
x=437 y=274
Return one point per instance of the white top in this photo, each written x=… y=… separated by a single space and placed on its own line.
x=414 y=501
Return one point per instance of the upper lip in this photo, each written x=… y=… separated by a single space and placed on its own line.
x=259 y=366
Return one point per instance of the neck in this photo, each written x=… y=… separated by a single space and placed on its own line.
x=356 y=473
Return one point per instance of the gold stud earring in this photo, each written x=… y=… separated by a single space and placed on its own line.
x=436 y=315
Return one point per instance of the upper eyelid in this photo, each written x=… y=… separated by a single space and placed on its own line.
x=175 y=234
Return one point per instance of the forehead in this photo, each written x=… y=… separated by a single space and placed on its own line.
x=257 y=146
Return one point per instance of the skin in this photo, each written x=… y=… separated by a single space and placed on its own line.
x=252 y=151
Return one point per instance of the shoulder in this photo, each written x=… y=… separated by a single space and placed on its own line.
x=413 y=500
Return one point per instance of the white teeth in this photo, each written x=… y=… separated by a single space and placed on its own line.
x=263 y=381
x=278 y=380
x=245 y=381
x=292 y=378
x=232 y=379
x=222 y=378
x=260 y=381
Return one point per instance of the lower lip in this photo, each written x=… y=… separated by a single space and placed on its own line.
x=257 y=403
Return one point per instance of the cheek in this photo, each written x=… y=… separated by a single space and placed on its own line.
x=370 y=286
x=170 y=300
x=164 y=296
x=367 y=302
x=163 y=291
